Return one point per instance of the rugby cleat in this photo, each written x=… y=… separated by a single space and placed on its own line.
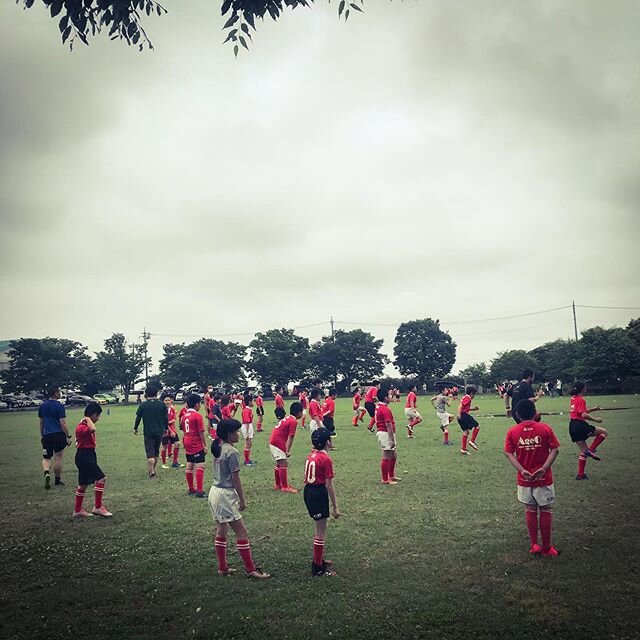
x=584 y=476
x=551 y=552
x=200 y=494
x=257 y=573
x=289 y=490
x=535 y=549
x=473 y=445
x=47 y=481
x=177 y=465
x=102 y=512
x=464 y=452
x=82 y=514
x=322 y=570
x=226 y=572
x=592 y=454
x=165 y=466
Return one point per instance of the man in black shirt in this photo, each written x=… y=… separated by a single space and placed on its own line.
x=523 y=390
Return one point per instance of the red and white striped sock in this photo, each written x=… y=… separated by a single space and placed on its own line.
x=221 y=553
x=79 y=498
x=199 y=479
x=318 y=551
x=98 y=491
x=244 y=549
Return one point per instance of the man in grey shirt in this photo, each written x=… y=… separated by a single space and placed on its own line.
x=440 y=403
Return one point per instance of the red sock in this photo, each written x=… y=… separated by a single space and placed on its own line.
x=244 y=549
x=176 y=451
x=597 y=442
x=284 y=480
x=318 y=551
x=98 y=491
x=170 y=450
x=189 y=475
x=372 y=422
x=199 y=479
x=392 y=469
x=531 y=518
x=474 y=434
x=163 y=455
x=221 y=553
x=546 y=523
x=464 y=442
x=582 y=463
x=354 y=422
x=246 y=455
x=79 y=498
x=446 y=436
x=384 y=469
x=276 y=475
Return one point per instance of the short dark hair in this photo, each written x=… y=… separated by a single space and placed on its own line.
x=527 y=373
x=382 y=394
x=225 y=400
x=471 y=388
x=53 y=390
x=217 y=396
x=193 y=400
x=247 y=398
x=332 y=391
x=295 y=408
x=375 y=383
x=223 y=429
x=578 y=387
x=151 y=391
x=315 y=393
x=526 y=410
x=92 y=409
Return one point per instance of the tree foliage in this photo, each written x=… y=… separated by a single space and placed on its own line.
x=118 y=365
x=633 y=331
x=37 y=364
x=349 y=355
x=424 y=350
x=556 y=360
x=204 y=362
x=122 y=19
x=279 y=356
x=607 y=355
x=509 y=365
x=476 y=374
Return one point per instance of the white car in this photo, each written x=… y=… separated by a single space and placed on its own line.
x=4 y=405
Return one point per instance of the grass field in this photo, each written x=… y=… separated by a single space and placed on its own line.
x=441 y=555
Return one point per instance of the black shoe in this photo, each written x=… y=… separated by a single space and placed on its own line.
x=321 y=570
x=59 y=483
x=201 y=494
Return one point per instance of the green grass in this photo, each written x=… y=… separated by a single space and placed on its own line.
x=441 y=555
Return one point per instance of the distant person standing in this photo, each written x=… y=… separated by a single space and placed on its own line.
x=279 y=404
x=155 y=422
x=54 y=436
x=559 y=387
x=523 y=390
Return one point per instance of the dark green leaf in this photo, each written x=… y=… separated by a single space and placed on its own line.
x=341 y=7
x=64 y=21
x=226 y=5
x=56 y=8
x=243 y=42
x=248 y=16
x=235 y=51
x=65 y=34
x=356 y=7
x=231 y=21
x=346 y=15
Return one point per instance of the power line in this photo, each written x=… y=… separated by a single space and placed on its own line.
x=590 y=306
x=227 y=335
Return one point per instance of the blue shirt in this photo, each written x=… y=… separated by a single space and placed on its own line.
x=51 y=412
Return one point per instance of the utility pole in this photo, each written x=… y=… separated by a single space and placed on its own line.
x=145 y=340
x=575 y=322
x=335 y=368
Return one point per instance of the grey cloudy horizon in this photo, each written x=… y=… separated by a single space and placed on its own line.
x=434 y=159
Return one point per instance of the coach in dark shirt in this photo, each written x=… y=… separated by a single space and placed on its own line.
x=54 y=436
x=523 y=390
x=155 y=421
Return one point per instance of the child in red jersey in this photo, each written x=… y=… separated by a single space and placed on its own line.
x=215 y=414
x=411 y=410
x=279 y=404
x=386 y=438
x=580 y=429
x=259 y=411
x=302 y=398
x=467 y=422
x=226 y=407
x=318 y=490
x=87 y=463
x=328 y=413
x=194 y=443
x=170 y=440
x=531 y=447
x=226 y=500
x=370 y=399
x=280 y=443
x=247 y=428
x=315 y=410
x=358 y=411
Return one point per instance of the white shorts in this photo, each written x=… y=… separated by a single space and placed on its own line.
x=411 y=413
x=224 y=504
x=540 y=496
x=276 y=453
x=304 y=412
x=314 y=424
x=445 y=418
x=247 y=430
x=383 y=441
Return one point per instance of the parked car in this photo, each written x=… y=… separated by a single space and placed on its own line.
x=79 y=400
x=3 y=405
x=36 y=402
x=104 y=398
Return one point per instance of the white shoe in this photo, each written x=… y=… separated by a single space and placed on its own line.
x=464 y=453
x=473 y=445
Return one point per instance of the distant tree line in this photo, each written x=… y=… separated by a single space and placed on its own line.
x=423 y=353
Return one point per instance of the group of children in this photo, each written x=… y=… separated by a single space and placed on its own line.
x=531 y=447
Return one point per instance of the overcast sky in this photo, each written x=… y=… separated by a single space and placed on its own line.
x=454 y=160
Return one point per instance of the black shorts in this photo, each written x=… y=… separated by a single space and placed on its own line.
x=259 y=411
x=152 y=446
x=88 y=469
x=579 y=430
x=327 y=421
x=170 y=439
x=316 y=499
x=53 y=443
x=371 y=408
x=467 y=422
x=196 y=458
x=280 y=413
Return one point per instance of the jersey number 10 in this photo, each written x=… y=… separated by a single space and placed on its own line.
x=310 y=471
